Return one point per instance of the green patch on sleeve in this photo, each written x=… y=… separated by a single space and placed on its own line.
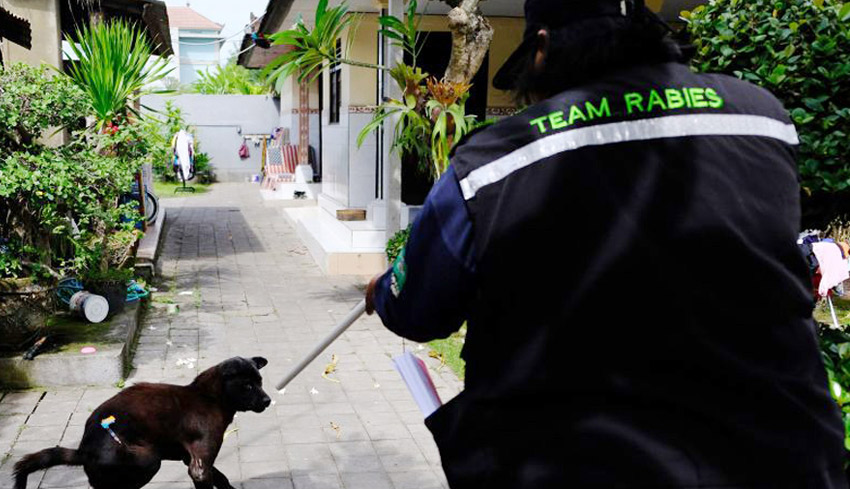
x=399 y=277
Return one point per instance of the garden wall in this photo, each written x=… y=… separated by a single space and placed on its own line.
x=221 y=123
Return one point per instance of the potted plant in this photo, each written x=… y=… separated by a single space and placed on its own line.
x=112 y=285
x=108 y=268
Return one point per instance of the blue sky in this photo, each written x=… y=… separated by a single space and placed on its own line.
x=233 y=14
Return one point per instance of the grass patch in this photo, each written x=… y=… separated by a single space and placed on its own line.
x=842 y=311
x=448 y=350
x=165 y=190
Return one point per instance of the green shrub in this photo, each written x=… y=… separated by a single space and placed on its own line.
x=31 y=101
x=397 y=243
x=203 y=170
x=800 y=51
x=835 y=349
x=59 y=208
x=159 y=128
x=232 y=79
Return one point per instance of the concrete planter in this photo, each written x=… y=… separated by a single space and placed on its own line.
x=67 y=365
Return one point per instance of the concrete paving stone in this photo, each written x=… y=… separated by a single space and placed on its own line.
x=72 y=436
x=57 y=419
x=64 y=477
x=252 y=424
x=357 y=456
x=345 y=428
x=22 y=447
x=400 y=455
x=45 y=434
x=326 y=409
x=10 y=426
x=237 y=321
x=372 y=406
x=170 y=485
x=172 y=471
x=8 y=482
x=78 y=418
x=210 y=318
x=327 y=392
x=397 y=394
x=231 y=470
x=416 y=479
x=316 y=481
x=60 y=395
x=302 y=433
x=262 y=454
x=262 y=438
x=274 y=469
x=19 y=403
x=278 y=483
x=310 y=458
x=387 y=431
x=292 y=395
x=366 y=480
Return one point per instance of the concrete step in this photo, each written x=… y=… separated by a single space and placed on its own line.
x=338 y=248
x=286 y=191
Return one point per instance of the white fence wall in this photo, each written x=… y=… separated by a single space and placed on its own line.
x=221 y=122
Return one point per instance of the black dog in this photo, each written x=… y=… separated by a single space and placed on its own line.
x=128 y=436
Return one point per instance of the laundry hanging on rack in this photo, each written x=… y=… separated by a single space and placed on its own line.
x=183 y=149
x=833 y=268
x=828 y=262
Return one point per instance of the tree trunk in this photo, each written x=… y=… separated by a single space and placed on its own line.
x=471 y=37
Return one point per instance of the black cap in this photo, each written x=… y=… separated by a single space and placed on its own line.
x=553 y=14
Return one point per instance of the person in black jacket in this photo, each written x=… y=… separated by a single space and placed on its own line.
x=624 y=252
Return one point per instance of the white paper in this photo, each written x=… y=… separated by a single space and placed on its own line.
x=415 y=374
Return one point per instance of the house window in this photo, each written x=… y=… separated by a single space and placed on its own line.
x=336 y=86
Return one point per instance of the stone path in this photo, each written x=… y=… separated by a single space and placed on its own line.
x=236 y=280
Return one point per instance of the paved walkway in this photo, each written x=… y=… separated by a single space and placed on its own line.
x=243 y=284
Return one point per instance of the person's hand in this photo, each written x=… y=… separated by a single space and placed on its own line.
x=370 y=294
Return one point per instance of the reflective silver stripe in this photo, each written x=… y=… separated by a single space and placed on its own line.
x=675 y=126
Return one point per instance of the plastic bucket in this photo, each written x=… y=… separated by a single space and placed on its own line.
x=93 y=308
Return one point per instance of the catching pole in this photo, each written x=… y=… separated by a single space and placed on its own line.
x=346 y=323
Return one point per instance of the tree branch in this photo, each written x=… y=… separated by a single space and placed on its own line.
x=471 y=38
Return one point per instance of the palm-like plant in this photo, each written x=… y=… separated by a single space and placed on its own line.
x=429 y=118
x=114 y=62
x=232 y=79
x=313 y=48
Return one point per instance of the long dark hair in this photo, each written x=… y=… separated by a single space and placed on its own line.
x=587 y=49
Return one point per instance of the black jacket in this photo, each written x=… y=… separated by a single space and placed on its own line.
x=642 y=317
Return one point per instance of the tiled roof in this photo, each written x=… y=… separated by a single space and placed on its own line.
x=186 y=18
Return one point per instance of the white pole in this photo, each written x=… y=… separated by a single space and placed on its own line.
x=392 y=161
x=346 y=323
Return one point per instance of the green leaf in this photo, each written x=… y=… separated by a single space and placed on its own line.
x=321 y=10
x=844 y=13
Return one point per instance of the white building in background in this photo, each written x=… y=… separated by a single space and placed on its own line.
x=196 y=41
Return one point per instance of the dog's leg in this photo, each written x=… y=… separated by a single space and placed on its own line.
x=220 y=480
x=201 y=458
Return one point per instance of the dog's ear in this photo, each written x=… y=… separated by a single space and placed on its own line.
x=260 y=362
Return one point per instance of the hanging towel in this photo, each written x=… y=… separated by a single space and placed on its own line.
x=832 y=268
x=183 y=148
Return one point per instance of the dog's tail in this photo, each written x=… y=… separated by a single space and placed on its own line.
x=44 y=459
